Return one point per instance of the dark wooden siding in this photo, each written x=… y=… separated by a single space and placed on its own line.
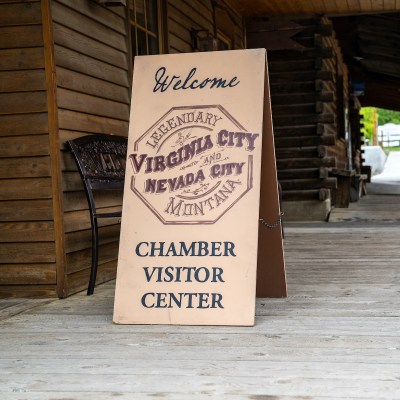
x=27 y=239
x=93 y=95
x=184 y=15
x=65 y=72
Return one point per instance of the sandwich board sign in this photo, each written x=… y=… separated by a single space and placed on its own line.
x=190 y=220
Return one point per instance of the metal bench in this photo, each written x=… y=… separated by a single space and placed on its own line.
x=101 y=163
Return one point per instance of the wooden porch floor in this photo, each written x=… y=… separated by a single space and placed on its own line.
x=337 y=335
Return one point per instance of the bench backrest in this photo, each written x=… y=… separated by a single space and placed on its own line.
x=101 y=160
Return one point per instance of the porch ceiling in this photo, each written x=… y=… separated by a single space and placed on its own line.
x=368 y=32
x=313 y=7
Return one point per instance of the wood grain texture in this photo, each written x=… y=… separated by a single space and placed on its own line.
x=86 y=84
x=25 y=102
x=20 y=36
x=18 y=59
x=92 y=69
x=26 y=210
x=33 y=231
x=22 y=81
x=24 y=13
x=28 y=274
x=334 y=337
x=27 y=167
x=88 y=25
x=28 y=124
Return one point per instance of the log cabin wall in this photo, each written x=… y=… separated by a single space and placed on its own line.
x=93 y=71
x=65 y=69
x=27 y=232
x=308 y=82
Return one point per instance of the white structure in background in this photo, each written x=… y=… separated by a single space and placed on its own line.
x=391 y=171
x=375 y=157
x=389 y=135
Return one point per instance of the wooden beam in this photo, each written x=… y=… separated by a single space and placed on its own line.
x=56 y=177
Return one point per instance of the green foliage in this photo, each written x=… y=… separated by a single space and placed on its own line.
x=368 y=121
x=388 y=116
x=383 y=117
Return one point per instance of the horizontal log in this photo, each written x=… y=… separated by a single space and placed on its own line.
x=303 y=119
x=302 y=54
x=303 y=173
x=342 y=172
x=296 y=152
x=301 y=76
x=293 y=109
x=308 y=184
x=294 y=195
x=301 y=98
x=291 y=87
x=293 y=65
x=300 y=141
x=306 y=163
x=306 y=42
x=294 y=131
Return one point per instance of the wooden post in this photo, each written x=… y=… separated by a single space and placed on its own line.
x=374 y=131
x=56 y=178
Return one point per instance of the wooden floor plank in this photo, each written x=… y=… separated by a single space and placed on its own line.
x=337 y=335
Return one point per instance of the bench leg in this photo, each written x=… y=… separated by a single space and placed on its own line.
x=95 y=256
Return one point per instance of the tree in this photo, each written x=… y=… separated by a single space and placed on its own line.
x=388 y=116
x=368 y=121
